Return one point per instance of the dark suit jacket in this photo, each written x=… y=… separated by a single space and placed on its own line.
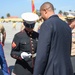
x=53 y=51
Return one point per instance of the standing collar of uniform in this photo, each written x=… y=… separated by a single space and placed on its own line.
x=28 y=31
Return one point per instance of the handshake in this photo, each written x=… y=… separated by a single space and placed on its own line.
x=25 y=55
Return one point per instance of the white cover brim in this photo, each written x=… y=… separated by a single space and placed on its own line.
x=30 y=16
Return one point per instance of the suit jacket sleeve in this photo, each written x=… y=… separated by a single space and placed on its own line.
x=43 y=48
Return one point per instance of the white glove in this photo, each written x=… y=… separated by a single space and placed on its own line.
x=25 y=55
x=30 y=55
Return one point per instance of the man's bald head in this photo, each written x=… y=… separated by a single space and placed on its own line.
x=47 y=6
x=46 y=10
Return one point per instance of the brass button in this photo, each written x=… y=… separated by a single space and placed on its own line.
x=31 y=38
x=32 y=48
x=30 y=35
x=31 y=41
x=32 y=52
x=32 y=45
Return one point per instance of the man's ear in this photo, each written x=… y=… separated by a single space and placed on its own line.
x=45 y=11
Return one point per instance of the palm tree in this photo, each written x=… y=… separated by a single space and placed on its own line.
x=65 y=13
x=8 y=14
x=2 y=17
x=70 y=10
x=60 y=12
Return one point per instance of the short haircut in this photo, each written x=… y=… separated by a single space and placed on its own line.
x=47 y=5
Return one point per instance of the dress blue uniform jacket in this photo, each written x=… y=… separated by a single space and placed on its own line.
x=54 y=48
x=24 y=42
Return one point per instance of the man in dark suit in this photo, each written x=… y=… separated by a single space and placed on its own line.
x=54 y=45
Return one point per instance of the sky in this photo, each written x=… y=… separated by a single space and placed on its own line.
x=17 y=7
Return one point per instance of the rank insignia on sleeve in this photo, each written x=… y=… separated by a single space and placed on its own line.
x=13 y=45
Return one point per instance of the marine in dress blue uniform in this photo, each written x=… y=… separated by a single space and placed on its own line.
x=24 y=46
